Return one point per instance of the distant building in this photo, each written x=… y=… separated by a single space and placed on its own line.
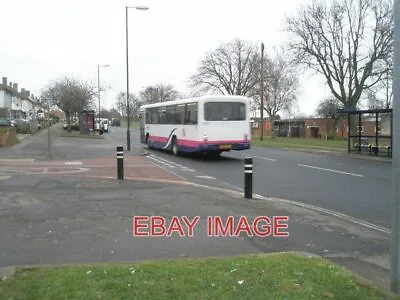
x=16 y=104
x=323 y=128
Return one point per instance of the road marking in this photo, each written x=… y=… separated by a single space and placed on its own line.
x=170 y=164
x=330 y=170
x=17 y=160
x=72 y=163
x=45 y=171
x=160 y=161
x=266 y=158
x=173 y=163
x=205 y=177
x=169 y=171
x=4 y=177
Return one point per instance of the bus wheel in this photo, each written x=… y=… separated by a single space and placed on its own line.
x=175 y=150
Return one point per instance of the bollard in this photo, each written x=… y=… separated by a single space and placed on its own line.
x=120 y=162
x=248 y=178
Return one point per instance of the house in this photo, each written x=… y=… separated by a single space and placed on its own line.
x=17 y=104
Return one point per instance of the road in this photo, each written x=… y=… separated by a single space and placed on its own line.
x=356 y=187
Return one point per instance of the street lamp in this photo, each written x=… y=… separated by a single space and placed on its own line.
x=262 y=94
x=128 y=132
x=98 y=83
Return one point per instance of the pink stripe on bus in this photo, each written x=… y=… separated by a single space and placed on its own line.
x=194 y=143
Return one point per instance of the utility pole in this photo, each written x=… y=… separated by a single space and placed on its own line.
x=48 y=131
x=395 y=260
x=128 y=131
x=98 y=88
x=262 y=93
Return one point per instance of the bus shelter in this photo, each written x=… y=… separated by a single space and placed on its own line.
x=369 y=131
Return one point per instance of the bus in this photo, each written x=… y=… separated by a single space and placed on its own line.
x=209 y=124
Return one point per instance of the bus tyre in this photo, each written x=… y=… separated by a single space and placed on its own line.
x=175 y=150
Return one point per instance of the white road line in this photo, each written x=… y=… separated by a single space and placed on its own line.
x=172 y=163
x=72 y=163
x=160 y=161
x=205 y=177
x=166 y=169
x=330 y=170
x=265 y=158
x=17 y=160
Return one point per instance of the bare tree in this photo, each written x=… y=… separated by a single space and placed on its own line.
x=134 y=105
x=159 y=93
x=115 y=113
x=229 y=69
x=345 y=41
x=381 y=95
x=280 y=84
x=70 y=95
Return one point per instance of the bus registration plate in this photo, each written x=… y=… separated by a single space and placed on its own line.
x=225 y=147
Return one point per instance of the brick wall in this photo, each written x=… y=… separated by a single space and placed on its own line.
x=255 y=129
x=8 y=136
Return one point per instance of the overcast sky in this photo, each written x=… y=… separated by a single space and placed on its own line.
x=42 y=40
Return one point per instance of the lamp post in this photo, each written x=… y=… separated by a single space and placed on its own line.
x=395 y=249
x=128 y=132
x=98 y=84
x=262 y=93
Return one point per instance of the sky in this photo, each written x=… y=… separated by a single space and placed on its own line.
x=44 y=40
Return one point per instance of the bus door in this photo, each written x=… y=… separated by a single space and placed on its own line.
x=142 y=128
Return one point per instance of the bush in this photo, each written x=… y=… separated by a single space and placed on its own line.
x=24 y=128
x=330 y=137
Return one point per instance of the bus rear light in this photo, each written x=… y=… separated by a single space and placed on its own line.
x=246 y=137
x=205 y=137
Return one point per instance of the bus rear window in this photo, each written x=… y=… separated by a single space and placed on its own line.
x=224 y=111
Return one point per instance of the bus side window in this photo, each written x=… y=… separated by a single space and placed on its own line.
x=154 y=115
x=180 y=114
x=171 y=114
x=191 y=113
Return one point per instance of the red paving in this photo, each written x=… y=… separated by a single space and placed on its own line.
x=135 y=167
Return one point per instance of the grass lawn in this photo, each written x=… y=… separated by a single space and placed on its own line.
x=300 y=143
x=271 y=276
x=79 y=135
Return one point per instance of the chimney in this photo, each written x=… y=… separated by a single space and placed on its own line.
x=23 y=93
x=10 y=84
x=28 y=93
x=15 y=87
x=5 y=81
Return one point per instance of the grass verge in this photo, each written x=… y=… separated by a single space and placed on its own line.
x=266 y=276
x=300 y=143
x=79 y=135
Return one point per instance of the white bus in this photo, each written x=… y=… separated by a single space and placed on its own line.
x=210 y=124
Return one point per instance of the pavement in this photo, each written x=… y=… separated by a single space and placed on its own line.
x=70 y=208
x=61 y=220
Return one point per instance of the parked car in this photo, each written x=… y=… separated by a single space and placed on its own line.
x=104 y=126
x=74 y=126
x=5 y=122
